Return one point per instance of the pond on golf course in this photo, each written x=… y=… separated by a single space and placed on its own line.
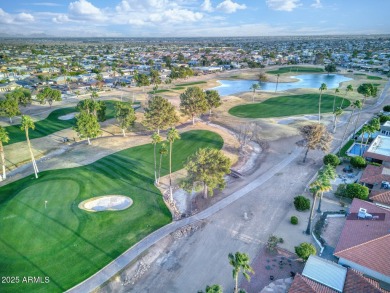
x=229 y=87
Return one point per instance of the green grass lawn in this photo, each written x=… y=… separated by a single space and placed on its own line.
x=372 y=77
x=51 y=124
x=359 y=74
x=177 y=88
x=158 y=91
x=67 y=244
x=287 y=106
x=345 y=148
x=293 y=69
x=190 y=83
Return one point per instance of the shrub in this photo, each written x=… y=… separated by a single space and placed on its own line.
x=358 y=162
x=294 y=220
x=386 y=108
x=304 y=250
x=353 y=190
x=384 y=118
x=331 y=159
x=272 y=242
x=301 y=203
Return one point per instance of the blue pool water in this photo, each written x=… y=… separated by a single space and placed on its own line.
x=357 y=149
x=229 y=87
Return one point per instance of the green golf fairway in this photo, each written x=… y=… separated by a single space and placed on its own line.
x=295 y=69
x=288 y=106
x=51 y=124
x=67 y=244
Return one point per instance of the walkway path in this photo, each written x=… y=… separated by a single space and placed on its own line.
x=122 y=261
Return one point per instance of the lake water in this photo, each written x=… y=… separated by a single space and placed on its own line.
x=229 y=87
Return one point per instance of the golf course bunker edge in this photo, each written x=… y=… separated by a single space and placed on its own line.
x=106 y=203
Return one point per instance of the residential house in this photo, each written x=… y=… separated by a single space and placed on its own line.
x=379 y=150
x=365 y=240
x=385 y=129
x=323 y=276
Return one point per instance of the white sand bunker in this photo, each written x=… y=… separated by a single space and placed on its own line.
x=106 y=203
x=67 y=116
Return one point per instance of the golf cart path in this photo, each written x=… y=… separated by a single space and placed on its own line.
x=132 y=253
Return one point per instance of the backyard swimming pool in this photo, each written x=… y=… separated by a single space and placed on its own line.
x=357 y=149
x=229 y=87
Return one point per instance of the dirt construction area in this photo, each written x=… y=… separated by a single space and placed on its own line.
x=197 y=255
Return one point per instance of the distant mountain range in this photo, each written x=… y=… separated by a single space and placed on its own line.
x=41 y=35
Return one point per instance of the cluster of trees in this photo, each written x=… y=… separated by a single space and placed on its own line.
x=352 y=190
x=9 y=107
x=91 y=112
x=194 y=101
x=181 y=72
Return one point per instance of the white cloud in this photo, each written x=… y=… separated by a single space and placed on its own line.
x=85 y=10
x=24 y=17
x=207 y=6
x=316 y=4
x=61 y=18
x=228 y=6
x=283 y=5
x=145 y=5
x=175 y=15
x=15 y=18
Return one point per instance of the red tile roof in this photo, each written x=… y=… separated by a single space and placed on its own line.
x=356 y=283
x=373 y=174
x=380 y=196
x=376 y=156
x=366 y=242
x=302 y=284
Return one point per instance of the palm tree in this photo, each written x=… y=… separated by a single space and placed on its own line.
x=328 y=173
x=355 y=105
x=28 y=123
x=365 y=129
x=3 y=138
x=277 y=82
x=163 y=152
x=156 y=138
x=323 y=87
x=254 y=87
x=360 y=107
x=240 y=262
x=173 y=134
x=315 y=190
x=347 y=90
x=336 y=114
x=336 y=91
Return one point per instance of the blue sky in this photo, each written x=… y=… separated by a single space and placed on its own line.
x=193 y=18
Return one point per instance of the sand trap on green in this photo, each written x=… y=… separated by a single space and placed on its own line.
x=67 y=116
x=106 y=203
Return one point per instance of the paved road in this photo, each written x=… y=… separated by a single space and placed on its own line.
x=122 y=261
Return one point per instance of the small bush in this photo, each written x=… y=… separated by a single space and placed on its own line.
x=301 y=203
x=331 y=159
x=358 y=162
x=294 y=220
x=384 y=118
x=304 y=250
x=353 y=190
x=386 y=108
x=273 y=242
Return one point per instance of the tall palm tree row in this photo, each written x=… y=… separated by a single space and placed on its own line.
x=28 y=123
x=173 y=135
x=355 y=105
x=4 y=138
x=322 y=88
x=156 y=139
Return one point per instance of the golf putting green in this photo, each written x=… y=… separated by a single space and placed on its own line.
x=288 y=106
x=44 y=233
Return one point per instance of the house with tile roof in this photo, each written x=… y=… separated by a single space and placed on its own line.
x=377 y=179
x=323 y=276
x=365 y=240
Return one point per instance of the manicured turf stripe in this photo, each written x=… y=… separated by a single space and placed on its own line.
x=68 y=244
x=287 y=106
x=293 y=69
x=51 y=124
